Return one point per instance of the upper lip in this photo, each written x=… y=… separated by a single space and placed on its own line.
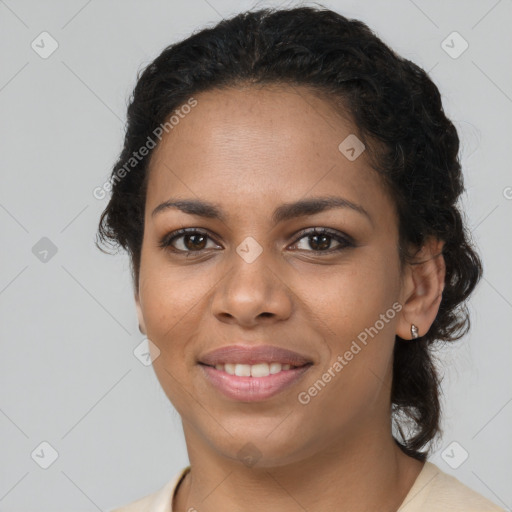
x=241 y=354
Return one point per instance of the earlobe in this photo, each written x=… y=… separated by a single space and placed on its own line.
x=424 y=283
x=140 y=316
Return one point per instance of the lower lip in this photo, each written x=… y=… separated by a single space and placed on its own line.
x=253 y=389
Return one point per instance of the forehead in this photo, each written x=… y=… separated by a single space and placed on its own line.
x=259 y=144
x=271 y=121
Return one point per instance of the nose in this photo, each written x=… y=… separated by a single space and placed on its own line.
x=252 y=293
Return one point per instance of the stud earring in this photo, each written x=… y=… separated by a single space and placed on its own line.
x=414 y=331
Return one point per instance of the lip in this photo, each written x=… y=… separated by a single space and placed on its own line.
x=252 y=389
x=243 y=354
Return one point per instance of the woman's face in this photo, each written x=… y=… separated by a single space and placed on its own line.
x=259 y=276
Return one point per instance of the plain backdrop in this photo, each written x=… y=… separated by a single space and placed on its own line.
x=73 y=395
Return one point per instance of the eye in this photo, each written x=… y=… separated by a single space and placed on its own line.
x=194 y=240
x=186 y=240
x=320 y=240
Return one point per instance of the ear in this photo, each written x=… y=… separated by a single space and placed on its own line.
x=142 y=325
x=422 y=289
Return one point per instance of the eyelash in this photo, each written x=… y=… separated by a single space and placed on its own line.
x=345 y=241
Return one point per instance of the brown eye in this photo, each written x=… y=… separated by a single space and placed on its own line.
x=186 y=241
x=321 y=239
x=319 y=242
x=194 y=242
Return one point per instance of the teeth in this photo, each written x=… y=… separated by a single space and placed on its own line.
x=275 y=367
x=243 y=370
x=229 y=368
x=252 y=370
x=260 y=370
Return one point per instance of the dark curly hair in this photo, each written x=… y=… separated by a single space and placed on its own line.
x=399 y=116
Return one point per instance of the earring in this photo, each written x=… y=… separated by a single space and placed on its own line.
x=414 y=331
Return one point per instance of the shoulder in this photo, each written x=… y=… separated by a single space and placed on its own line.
x=437 y=491
x=159 y=501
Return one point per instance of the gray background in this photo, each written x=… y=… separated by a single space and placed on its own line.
x=68 y=324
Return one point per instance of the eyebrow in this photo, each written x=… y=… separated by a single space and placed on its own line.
x=283 y=213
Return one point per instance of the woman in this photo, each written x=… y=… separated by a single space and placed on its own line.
x=287 y=195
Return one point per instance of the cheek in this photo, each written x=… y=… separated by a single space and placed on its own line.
x=349 y=298
x=168 y=300
x=353 y=382
x=170 y=306
x=355 y=305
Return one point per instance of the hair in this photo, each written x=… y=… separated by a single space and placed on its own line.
x=398 y=114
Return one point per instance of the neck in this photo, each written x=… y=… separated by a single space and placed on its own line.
x=369 y=473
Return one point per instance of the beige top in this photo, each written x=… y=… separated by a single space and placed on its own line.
x=432 y=491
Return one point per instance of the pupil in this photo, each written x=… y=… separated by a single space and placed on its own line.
x=324 y=244
x=194 y=244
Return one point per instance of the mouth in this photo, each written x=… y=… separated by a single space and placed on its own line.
x=257 y=370
x=250 y=374
x=240 y=355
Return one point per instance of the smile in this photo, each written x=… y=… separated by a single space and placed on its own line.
x=251 y=383
x=253 y=370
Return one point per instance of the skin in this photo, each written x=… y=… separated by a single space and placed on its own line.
x=249 y=150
